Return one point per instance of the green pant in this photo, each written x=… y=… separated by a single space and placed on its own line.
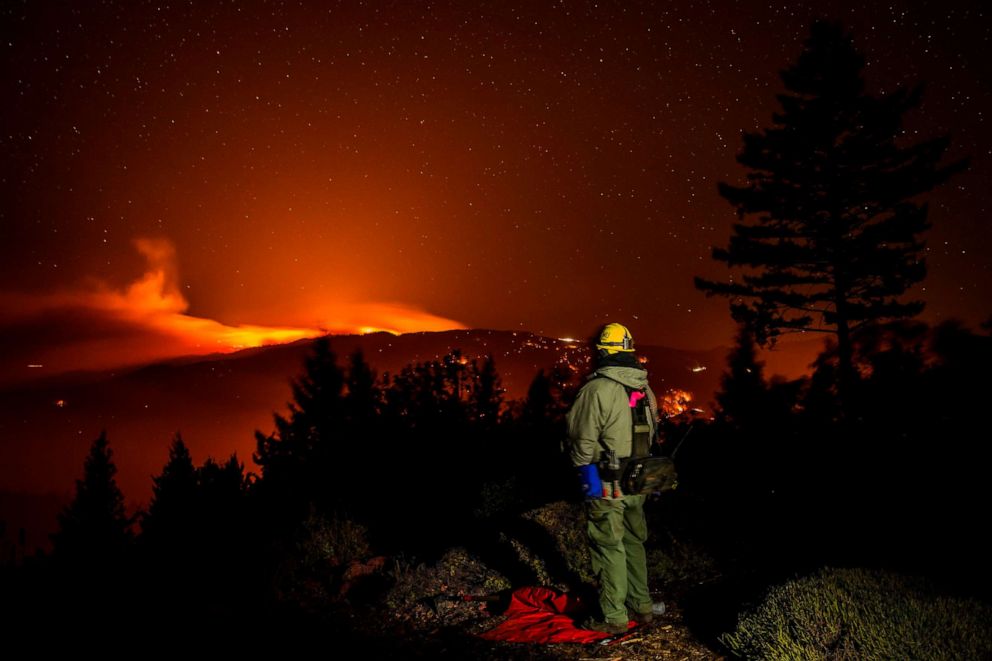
x=617 y=531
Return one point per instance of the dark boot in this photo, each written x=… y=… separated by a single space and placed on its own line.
x=605 y=627
x=657 y=608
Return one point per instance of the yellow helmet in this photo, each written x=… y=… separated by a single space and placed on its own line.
x=614 y=338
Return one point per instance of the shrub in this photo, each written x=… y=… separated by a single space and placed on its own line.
x=416 y=599
x=331 y=541
x=675 y=561
x=307 y=569
x=565 y=524
x=841 y=614
x=499 y=498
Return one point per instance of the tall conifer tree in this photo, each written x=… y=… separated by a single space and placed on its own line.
x=94 y=527
x=174 y=492
x=830 y=229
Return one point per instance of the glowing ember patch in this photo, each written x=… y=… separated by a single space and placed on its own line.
x=675 y=402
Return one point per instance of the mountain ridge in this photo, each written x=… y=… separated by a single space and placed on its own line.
x=217 y=401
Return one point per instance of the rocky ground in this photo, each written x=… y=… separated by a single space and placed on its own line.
x=410 y=609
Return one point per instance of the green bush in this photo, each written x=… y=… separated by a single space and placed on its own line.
x=671 y=561
x=329 y=542
x=841 y=614
x=675 y=561
x=565 y=523
x=498 y=498
x=309 y=567
x=416 y=599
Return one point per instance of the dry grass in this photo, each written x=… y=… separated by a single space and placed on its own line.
x=419 y=625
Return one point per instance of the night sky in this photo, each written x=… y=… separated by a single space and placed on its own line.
x=193 y=177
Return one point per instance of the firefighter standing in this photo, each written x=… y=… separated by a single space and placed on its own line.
x=599 y=428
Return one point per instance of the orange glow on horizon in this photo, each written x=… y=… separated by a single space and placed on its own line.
x=153 y=314
x=154 y=301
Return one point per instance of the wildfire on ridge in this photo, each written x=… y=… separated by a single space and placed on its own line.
x=154 y=313
x=675 y=402
x=155 y=300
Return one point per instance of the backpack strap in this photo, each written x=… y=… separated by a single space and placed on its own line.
x=640 y=422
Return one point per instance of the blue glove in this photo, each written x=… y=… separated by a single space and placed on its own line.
x=592 y=486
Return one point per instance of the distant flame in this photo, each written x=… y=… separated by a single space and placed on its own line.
x=156 y=309
x=396 y=318
x=154 y=300
x=675 y=402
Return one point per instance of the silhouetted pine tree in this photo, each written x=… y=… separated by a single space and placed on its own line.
x=830 y=235
x=743 y=396
x=431 y=395
x=954 y=449
x=94 y=529
x=539 y=406
x=486 y=396
x=174 y=493
x=542 y=431
x=199 y=543
x=297 y=460
x=313 y=414
x=361 y=432
x=221 y=487
x=361 y=400
x=549 y=396
x=429 y=448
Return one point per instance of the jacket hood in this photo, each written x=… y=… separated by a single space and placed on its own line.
x=634 y=377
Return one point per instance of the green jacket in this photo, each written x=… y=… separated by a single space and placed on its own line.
x=601 y=413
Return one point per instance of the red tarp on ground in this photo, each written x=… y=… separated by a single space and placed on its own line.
x=542 y=615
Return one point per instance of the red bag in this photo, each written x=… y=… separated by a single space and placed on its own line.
x=542 y=615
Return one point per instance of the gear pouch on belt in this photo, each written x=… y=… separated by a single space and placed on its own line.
x=642 y=475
